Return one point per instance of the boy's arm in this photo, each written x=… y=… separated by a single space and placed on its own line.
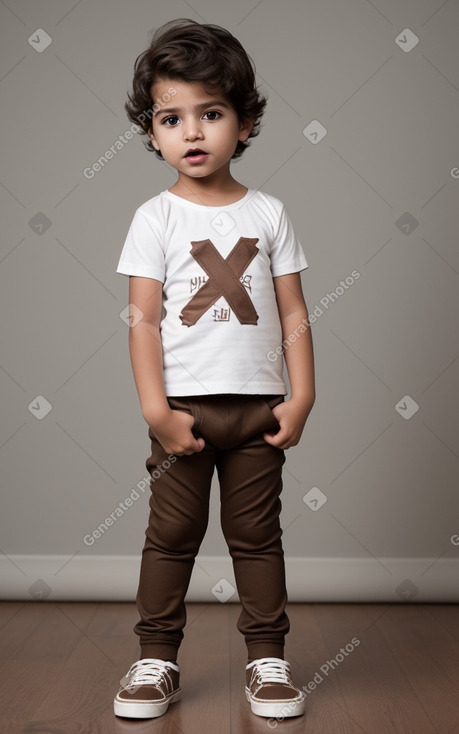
x=172 y=428
x=299 y=358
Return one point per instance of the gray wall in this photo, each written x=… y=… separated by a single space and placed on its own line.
x=377 y=194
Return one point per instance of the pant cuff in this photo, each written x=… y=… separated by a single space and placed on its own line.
x=257 y=650
x=160 y=651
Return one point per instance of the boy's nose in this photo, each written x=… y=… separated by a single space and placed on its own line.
x=193 y=135
x=193 y=131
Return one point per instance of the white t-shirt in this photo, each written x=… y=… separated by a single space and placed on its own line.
x=219 y=318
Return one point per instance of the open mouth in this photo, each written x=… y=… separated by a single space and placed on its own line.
x=196 y=155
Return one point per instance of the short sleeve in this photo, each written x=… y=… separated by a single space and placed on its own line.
x=143 y=253
x=287 y=254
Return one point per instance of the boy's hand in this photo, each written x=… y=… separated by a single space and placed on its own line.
x=173 y=432
x=291 y=415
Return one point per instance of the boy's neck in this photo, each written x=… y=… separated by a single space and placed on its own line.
x=209 y=191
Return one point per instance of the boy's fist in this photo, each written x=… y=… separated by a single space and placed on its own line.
x=174 y=433
x=291 y=416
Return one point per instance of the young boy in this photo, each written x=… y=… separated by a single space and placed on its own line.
x=214 y=290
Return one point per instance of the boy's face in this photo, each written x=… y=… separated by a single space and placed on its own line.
x=195 y=119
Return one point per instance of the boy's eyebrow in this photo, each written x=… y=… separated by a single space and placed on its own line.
x=200 y=106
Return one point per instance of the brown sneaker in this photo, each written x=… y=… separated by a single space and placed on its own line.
x=270 y=690
x=147 y=689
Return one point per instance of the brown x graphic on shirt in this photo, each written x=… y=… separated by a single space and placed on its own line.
x=224 y=275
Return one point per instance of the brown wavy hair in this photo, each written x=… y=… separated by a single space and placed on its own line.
x=196 y=52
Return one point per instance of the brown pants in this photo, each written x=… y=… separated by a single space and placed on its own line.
x=250 y=478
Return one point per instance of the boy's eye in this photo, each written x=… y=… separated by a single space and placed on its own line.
x=170 y=121
x=212 y=115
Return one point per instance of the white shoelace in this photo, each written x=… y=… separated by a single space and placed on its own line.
x=147 y=672
x=272 y=670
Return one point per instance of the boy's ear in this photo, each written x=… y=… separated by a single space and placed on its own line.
x=245 y=128
x=153 y=140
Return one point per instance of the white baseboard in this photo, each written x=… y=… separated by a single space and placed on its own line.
x=115 y=578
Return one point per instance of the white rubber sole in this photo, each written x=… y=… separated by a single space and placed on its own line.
x=276 y=709
x=144 y=709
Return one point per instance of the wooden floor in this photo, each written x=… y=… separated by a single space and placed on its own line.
x=60 y=666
